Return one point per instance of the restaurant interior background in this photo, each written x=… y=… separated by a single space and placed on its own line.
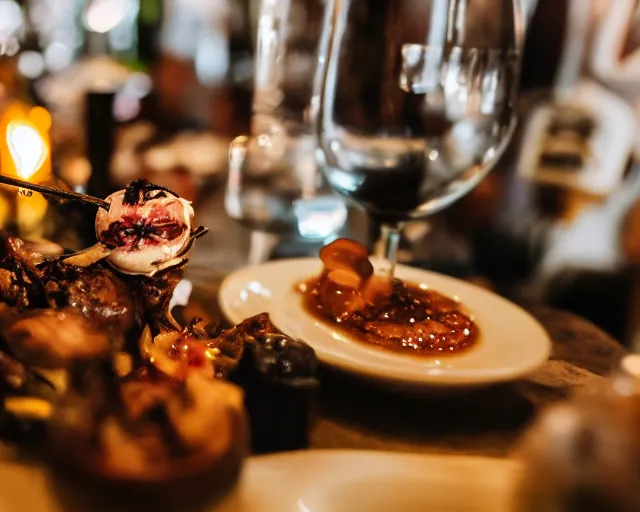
x=159 y=88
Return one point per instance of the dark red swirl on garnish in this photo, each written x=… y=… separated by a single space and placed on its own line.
x=132 y=231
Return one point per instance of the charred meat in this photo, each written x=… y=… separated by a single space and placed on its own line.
x=96 y=292
x=203 y=347
x=20 y=285
x=154 y=295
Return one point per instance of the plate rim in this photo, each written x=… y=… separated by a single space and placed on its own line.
x=461 y=378
x=390 y=454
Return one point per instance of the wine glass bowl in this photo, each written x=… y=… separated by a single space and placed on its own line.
x=418 y=103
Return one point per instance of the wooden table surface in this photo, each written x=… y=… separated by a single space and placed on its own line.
x=483 y=422
x=356 y=415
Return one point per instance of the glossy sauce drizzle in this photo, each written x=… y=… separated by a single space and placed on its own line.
x=411 y=320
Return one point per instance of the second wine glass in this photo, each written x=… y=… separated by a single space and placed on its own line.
x=274 y=186
x=417 y=104
x=274 y=189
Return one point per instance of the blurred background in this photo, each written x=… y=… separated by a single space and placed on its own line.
x=115 y=90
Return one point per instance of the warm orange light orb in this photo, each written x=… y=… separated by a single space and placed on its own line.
x=27 y=148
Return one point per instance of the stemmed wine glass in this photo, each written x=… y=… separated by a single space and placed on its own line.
x=273 y=190
x=417 y=104
x=274 y=187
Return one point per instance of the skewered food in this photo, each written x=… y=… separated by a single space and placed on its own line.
x=98 y=373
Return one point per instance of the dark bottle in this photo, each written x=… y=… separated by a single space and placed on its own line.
x=149 y=26
x=278 y=375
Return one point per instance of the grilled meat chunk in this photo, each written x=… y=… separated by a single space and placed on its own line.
x=96 y=292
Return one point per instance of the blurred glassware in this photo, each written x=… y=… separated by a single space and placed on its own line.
x=418 y=103
x=274 y=184
x=194 y=72
x=290 y=58
x=58 y=33
x=529 y=8
x=65 y=91
x=112 y=28
x=12 y=26
x=199 y=32
x=279 y=196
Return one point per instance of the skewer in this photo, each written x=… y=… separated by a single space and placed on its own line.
x=54 y=192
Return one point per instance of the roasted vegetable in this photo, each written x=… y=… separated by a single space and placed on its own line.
x=156 y=444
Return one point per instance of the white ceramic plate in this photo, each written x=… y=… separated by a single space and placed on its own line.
x=326 y=481
x=511 y=342
x=360 y=481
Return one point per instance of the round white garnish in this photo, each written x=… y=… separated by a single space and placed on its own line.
x=145 y=233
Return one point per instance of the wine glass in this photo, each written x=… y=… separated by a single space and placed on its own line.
x=417 y=104
x=274 y=185
x=274 y=191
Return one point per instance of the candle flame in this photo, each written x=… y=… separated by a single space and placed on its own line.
x=27 y=148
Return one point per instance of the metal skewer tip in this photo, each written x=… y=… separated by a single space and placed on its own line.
x=26 y=188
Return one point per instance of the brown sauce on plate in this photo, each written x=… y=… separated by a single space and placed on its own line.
x=411 y=319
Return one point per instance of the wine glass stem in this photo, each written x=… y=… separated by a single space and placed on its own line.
x=387 y=247
x=261 y=245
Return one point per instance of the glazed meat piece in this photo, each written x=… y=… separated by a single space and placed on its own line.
x=231 y=343
x=178 y=354
x=201 y=347
x=347 y=255
x=96 y=292
x=388 y=313
x=347 y=284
